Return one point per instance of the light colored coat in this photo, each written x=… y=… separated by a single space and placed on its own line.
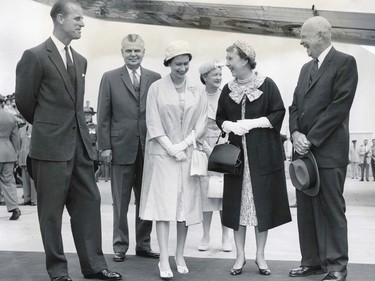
x=162 y=173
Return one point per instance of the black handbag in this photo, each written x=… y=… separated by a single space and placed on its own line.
x=226 y=158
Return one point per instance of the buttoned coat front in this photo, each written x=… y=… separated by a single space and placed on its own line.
x=122 y=114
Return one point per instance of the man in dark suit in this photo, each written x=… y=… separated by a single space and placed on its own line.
x=319 y=117
x=9 y=149
x=49 y=94
x=121 y=138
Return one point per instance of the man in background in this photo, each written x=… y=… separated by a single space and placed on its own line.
x=9 y=149
x=121 y=139
x=365 y=159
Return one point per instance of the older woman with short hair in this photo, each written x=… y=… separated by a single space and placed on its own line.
x=251 y=111
x=211 y=77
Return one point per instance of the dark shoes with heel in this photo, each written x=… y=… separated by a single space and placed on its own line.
x=237 y=271
x=262 y=271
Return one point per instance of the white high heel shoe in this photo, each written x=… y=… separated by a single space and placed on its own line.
x=182 y=269
x=168 y=274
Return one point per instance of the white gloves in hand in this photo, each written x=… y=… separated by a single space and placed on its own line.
x=181 y=156
x=177 y=148
x=250 y=124
x=235 y=127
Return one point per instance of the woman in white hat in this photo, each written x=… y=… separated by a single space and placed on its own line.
x=251 y=111
x=176 y=110
x=211 y=77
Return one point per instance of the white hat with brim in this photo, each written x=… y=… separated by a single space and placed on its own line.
x=176 y=48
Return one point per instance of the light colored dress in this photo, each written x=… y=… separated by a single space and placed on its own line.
x=212 y=134
x=169 y=193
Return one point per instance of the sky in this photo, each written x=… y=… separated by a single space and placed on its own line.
x=25 y=24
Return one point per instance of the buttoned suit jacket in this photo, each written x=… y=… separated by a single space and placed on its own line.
x=47 y=100
x=321 y=110
x=122 y=114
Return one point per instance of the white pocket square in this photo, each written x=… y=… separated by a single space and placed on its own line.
x=83 y=74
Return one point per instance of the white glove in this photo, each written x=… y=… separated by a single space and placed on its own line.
x=250 y=124
x=181 y=156
x=190 y=138
x=165 y=142
x=177 y=148
x=234 y=127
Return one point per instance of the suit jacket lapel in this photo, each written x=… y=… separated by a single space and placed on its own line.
x=144 y=80
x=323 y=67
x=128 y=83
x=56 y=59
x=79 y=70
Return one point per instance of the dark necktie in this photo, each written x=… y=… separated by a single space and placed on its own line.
x=135 y=81
x=314 y=70
x=70 y=67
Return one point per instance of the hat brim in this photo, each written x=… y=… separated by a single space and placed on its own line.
x=312 y=191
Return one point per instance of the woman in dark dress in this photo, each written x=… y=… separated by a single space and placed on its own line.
x=251 y=110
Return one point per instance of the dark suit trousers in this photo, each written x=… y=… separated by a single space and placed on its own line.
x=123 y=179
x=322 y=223
x=71 y=184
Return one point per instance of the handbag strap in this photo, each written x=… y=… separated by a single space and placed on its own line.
x=222 y=134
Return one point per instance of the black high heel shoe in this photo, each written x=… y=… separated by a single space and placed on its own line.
x=237 y=271
x=262 y=271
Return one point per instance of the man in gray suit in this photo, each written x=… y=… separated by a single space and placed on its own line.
x=9 y=149
x=319 y=122
x=50 y=82
x=121 y=138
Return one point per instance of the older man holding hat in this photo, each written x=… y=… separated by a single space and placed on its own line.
x=176 y=116
x=319 y=125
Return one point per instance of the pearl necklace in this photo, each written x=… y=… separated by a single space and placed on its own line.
x=246 y=80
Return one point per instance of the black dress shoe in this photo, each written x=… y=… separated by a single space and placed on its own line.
x=336 y=276
x=62 y=278
x=262 y=271
x=2 y=203
x=237 y=271
x=16 y=213
x=147 y=254
x=119 y=257
x=105 y=274
x=303 y=271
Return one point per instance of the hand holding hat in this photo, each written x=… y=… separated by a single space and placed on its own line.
x=304 y=174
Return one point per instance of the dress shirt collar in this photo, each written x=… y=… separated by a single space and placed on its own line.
x=323 y=55
x=137 y=71
x=61 y=48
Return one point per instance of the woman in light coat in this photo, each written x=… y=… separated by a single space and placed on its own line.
x=175 y=108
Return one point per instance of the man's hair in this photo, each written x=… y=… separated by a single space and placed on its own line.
x=132 y=38
x=60 y=8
